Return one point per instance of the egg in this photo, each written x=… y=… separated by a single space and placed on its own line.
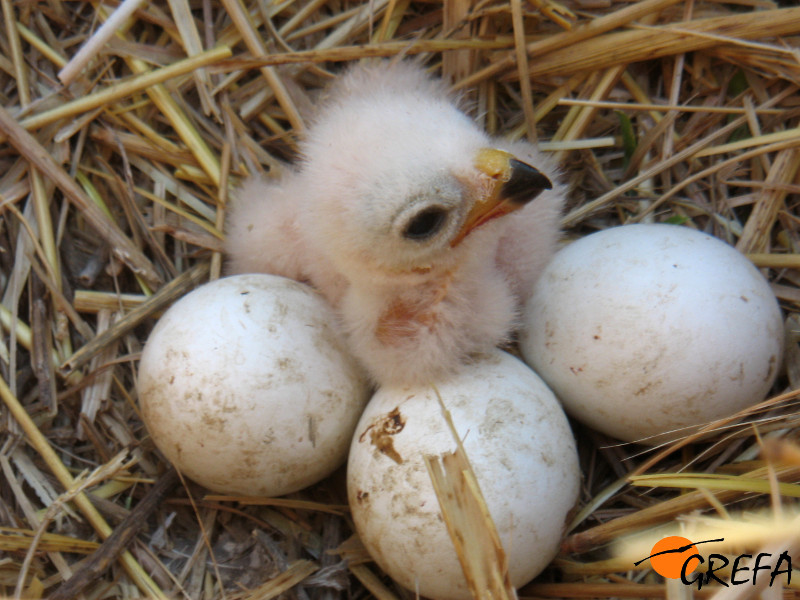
x=522 y=451
x=647 y=332
x=247 y=388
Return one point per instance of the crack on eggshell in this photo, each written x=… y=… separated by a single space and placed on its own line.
x=381 y=433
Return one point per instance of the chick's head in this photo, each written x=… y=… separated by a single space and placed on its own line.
x=399 y=177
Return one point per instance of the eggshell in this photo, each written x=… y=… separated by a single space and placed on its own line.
x=646 y=332
x=247 y=388
x=520 y=446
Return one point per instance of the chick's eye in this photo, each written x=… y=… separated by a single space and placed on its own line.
x=425 y=224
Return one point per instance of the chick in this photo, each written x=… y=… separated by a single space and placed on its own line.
x=425 y=234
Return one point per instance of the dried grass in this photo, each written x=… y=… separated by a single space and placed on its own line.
x=115 y=165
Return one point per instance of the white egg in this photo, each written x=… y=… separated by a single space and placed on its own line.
x=247 y=388
x=521 y=448
x=646 y=332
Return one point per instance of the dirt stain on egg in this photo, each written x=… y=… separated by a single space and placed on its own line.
x=382 y=431
x=312 y=431
x=773 y=361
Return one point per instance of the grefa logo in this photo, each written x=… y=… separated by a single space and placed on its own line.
x=677 y=557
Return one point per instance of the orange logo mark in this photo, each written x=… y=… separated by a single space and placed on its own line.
x=669 y=555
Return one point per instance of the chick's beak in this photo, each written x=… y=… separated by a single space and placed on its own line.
x=513 y=184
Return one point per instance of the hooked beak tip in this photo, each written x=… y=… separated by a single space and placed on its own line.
x=515 y=184
x=524 y=184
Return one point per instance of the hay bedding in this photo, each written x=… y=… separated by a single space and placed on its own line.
x=113 y=192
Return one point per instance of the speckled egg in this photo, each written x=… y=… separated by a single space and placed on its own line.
x=647 y=332
x=522 y=451
x=245 y=386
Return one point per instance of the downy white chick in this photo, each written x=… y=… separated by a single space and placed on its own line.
x=420 y=229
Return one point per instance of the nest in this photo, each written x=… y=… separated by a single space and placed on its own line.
x=124 y=126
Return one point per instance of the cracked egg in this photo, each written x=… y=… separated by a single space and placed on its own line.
x=521 y=448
